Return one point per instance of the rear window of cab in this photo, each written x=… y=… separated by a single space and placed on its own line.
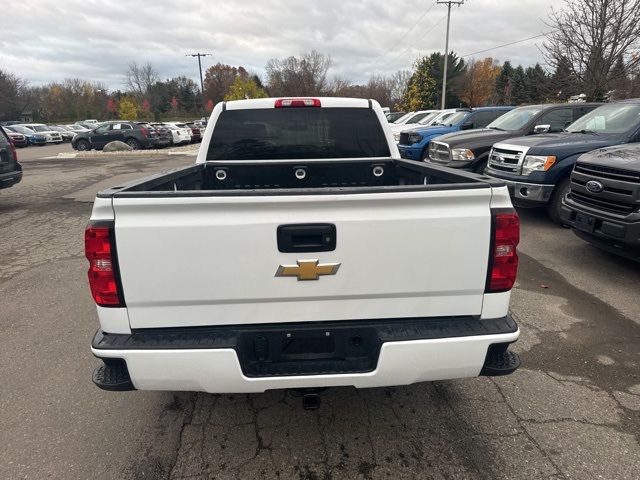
x=297 y=133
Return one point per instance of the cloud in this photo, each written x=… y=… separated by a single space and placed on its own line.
x=47 y=41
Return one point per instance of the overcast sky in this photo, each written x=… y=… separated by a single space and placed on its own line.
x=45 y=40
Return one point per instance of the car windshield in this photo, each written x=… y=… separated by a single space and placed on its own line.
x=40 y=128
x=452 y=119
x=403 y=118
x=181 y=125
x=417 y=117
x=515 y=119
x=429 y=118
x=613 y=118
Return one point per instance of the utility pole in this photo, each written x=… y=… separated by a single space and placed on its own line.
x=448 y=3
x=199 y=55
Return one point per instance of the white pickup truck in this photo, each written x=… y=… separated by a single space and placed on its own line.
x=301 y=252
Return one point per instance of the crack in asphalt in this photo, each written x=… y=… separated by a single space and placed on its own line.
x=540 y=449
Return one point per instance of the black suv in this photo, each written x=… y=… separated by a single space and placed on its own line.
x=10 y=169
x=603 y=205
x=134 y=135
x=469 y=150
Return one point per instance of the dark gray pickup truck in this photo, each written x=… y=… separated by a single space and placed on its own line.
x=603 y=205
x=10 y=169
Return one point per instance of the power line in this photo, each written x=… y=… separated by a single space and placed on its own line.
x=403 y=35
x=506 y=44
x=413 y=44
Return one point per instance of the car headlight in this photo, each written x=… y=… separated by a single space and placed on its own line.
x=462 y=154
x=414 y=138
x=396 y=136
x=537 y=163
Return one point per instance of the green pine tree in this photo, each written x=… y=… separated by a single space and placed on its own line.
x=421 y=93
x=519 y=87
x=536 y=84
x=504 y=85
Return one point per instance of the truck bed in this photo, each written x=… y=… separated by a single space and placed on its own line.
x=242 y=178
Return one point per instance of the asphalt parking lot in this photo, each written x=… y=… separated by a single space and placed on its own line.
x=37 y=152
x=571 y=412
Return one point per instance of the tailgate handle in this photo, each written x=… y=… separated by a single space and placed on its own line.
x=310 y=237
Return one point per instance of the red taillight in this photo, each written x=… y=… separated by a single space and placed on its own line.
x=102 y=267
x=503 y=265
x=145 y=132
x=297 y=102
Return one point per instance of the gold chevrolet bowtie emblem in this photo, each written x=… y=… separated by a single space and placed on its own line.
x=307 y=269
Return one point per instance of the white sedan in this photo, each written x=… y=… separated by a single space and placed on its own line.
x=181 y=132
x=433 y=117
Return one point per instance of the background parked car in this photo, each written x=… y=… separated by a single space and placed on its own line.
x=10 y=169
x=32 y=138
x=393 y=116
x=164 y=132
x=75 y=128
x=414 y=143
x=412 y=117
x=88 y=126
x=67 y=136
x=130 y=133
x=51 y=136
x=436 y=116
x=603 y=204
x=536 y=168
x=164 y=137
x=196 y=132
x=181 y=133
x=18 y=139
x=470 y=149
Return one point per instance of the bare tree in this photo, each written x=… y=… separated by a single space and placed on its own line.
x=219 y=78
x=11 y=89
x=399 y=83
x=140 y=78
x=292 y=76
x=592 y=35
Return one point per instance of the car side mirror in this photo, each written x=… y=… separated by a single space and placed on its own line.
x=541 y=128
x=466 y=126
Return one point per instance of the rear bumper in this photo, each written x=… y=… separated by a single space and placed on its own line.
x=161 y=142
x=223 y=359
x=11 y=178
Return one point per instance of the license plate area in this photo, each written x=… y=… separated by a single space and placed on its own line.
x=277 y=351
x=585 y=223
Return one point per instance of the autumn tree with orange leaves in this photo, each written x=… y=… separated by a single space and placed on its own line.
x=478 y=81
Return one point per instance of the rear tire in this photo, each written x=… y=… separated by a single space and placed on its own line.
x=554 y=207
x=83 y=146
x=133 y=143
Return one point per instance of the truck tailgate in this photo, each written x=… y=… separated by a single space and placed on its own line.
x=211 y=260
